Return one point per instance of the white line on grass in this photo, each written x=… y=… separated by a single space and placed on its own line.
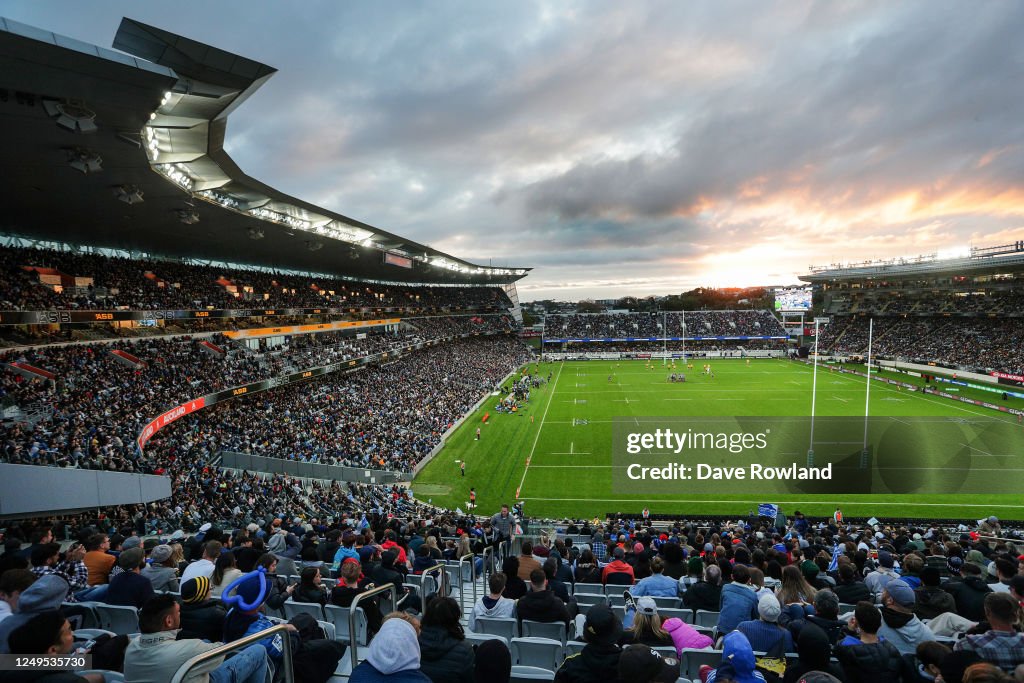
x=539 y=428
x=787 y=502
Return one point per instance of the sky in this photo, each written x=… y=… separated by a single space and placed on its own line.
x=627 y=148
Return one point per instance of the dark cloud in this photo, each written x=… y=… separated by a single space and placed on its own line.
x=628 y=145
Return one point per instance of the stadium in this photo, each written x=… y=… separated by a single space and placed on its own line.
x=247 y=437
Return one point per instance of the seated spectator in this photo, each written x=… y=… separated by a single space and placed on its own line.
x=764 y=633
x=130 y=588
x=515 y=587
x=642 y=664
x=642 y=623
x=206 y=565
x=493 y=662
x=707 y=593
x=385 y=573
x=46 y=634
x=877 y=579
x=445 y=656
x=930 y=656
x=527 y=562
x=200 y=616
x=244 y=617
x=225 y=571
x=738 y=662
x=930 y=599
x=557 y=587
x=45 y=594
x=739 y=600
x=849 y=589
x=639 y=561
x=864 y=657
x=311 y=588
x=394 y=653
x=346 y=549
x=911 y=570
x=599 y=658
x=157 y=654
x=694 y=574
x=814 y=652
x=686 y=636
x=280 y=589
x=540 y=604
x=825 y=616
x=1002 y=645
x=12 y=583
x=162 y=571
x=350 y=584
x=969 y=593
x=422 y=559
x=1005 y=571
x=899 y=625
x=587 y=570
x=955 y=664
x=98 y=560
x=618 y=572
x=794 y=593
x=656 y=585
x=494 y=604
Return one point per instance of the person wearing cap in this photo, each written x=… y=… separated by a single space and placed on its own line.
x=162 y=572
x=1001 y=645
x=899 y=625
x=201 y=617
x=864 y=657
x=393 y=655
x=886 y=572
x=617 y=572
x=640 y=664
x=598 y=661
x=130 y=587
x=642 y=624
x=157 y=654
x=764 y=633
x=739 y=600
x=657 y=584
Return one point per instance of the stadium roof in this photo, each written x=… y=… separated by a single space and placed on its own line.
x=82 y=127
x=1007 y=258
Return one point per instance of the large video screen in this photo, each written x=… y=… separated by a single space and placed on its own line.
x=795 y=299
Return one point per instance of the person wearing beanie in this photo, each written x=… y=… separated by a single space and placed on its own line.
x=598 y=661
x=899 y=625
x=162 y=571
x=393 y=655
x=764 y=633
x=493 y=662
x=130 y=588
x=864 y=657
x=244 y=618
x=886 y=572
x=201 y=617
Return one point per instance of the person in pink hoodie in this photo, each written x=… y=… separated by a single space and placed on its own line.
x=684 y=635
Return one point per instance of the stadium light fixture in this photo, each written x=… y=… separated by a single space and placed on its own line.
x=74 y=117
x=84 y=161
x=129 y=194
x=255 y=233
x=188 y=216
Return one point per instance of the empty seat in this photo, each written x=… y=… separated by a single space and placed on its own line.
x=685 y=615
x=663 y=602
x=544 y=653
x=690 y=661
x=538 y=629
x=530 y=673
x=339 y=617
x=478 y=638
x=313 y=609
x=506 y=627
x=706 y=617
x=120 y=619
x=591 y=588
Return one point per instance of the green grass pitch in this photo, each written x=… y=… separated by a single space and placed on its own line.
x=570 y=463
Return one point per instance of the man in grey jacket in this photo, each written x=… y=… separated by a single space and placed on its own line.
x=899 y=625
x=155 y=656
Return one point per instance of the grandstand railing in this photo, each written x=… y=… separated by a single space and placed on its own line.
x=354 y=644
x=307 y=470
x=288 y=674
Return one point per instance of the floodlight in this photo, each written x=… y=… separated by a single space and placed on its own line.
x=188 y=216
x=255 y=233
x=129 y=194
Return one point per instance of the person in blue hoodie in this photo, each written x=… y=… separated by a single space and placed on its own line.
x=738 y=662
x=739 y=600
x=394 y=654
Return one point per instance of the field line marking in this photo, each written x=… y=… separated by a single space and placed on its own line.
x=798 y=502
x=536 y=438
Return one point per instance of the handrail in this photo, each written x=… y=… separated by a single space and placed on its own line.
x=488 y=563
x=353 y=638
x=286 y=659
x=439 y=569
x=502 y=550
x=462 y=584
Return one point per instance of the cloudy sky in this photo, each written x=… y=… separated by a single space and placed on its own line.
x=627 y=148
